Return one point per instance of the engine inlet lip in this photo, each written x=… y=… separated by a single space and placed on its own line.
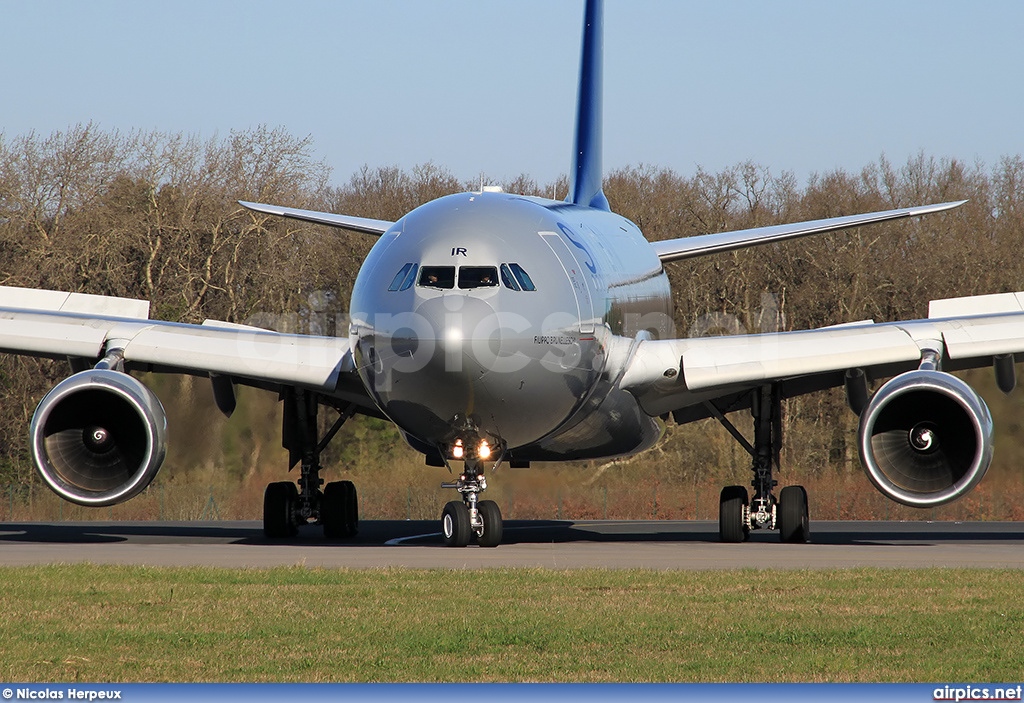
x=93 y=379
x=951 y=387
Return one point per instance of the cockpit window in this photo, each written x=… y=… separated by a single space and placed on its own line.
x=522 y=278
x=404 y=278
x=507 y=279
x=478 y=276
x=437 y=276
x=512 y=276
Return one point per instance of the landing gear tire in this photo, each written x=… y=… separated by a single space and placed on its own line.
x=279 y=501
x=339 y=510
x=794 y=522
x=490 y=524
x=732 y=506
x=455 y=526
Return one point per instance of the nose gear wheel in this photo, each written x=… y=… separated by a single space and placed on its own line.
x=471 y=518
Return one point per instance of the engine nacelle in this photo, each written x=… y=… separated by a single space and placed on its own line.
x=99 y=437
x=925 y=438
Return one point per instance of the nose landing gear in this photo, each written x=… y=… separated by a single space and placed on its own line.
x=463 y=520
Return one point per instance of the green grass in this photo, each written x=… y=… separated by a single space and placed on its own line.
x=95 y=623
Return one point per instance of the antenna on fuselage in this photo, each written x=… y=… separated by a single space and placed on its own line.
x=585 y=171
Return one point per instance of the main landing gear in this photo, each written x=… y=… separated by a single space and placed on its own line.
x=462 y=521
x=737 y=513
x=286 y=505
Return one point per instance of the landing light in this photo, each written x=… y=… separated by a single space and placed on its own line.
x=459 y=450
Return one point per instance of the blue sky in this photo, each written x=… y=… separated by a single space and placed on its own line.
x=480 y=86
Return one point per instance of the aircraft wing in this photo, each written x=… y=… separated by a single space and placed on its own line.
x=668 y=375
x=358 y=224
x=58 y=325
x=699 y=245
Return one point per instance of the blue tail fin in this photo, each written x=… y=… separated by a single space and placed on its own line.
x=585 y=172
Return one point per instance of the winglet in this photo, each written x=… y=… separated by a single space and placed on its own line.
x=585 y=172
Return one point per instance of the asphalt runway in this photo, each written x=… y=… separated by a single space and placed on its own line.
x=551 y=544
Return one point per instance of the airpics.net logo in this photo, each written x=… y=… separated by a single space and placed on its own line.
x=978 y=693
x=502 y=342
x=319 y=316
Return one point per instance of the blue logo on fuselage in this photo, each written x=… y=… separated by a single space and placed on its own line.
x=589 y=263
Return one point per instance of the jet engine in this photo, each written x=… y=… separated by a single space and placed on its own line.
x=925 y=438
x=99 y=437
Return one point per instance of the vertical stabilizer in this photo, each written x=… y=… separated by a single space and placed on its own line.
x=585 y=171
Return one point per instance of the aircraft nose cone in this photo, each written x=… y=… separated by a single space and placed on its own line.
x=455 y=363
x=465 y=334
x=428 y=366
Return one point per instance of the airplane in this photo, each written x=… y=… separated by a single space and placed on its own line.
x=500 y=329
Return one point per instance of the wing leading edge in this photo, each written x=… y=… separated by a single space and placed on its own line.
x=57 y=325
x=689 y=247
x=667 y=375
x=365 y=225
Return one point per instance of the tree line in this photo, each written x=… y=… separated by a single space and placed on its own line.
x=154 y=215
